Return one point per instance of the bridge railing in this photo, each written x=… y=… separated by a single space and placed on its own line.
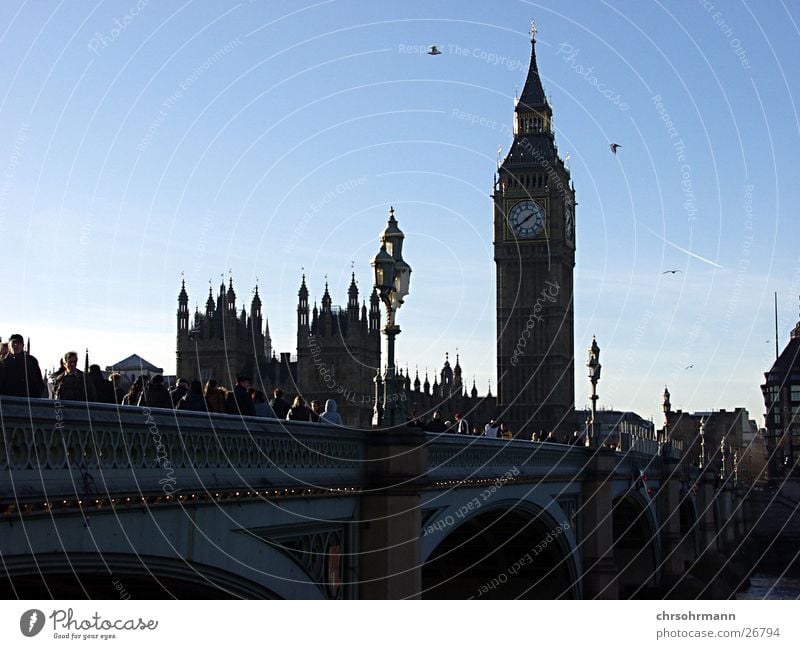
x=456 y=457
x=52 y=448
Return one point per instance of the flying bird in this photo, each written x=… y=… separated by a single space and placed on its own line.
x=614 y=148
x=688 y=367
x=671 y=271
x=434 y=50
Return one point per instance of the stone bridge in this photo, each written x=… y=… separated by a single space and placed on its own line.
x=103 y=501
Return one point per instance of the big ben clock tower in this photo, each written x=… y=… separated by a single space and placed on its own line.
x=534 y=249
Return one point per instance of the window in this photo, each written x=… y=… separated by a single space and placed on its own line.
x=795 y=393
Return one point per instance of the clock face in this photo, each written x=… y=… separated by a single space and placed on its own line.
x=526 y=219
x=570 y=223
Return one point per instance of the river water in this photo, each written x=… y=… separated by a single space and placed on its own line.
x=764 y=586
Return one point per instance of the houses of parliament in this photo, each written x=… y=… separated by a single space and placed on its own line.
x=338 y=351
x=338 y=355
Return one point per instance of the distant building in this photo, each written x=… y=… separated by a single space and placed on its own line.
x=781 y=391
x=448 y=394
x=723 y=434
x=132 y=367
x=613 y=427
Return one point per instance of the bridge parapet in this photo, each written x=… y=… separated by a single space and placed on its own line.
x=454 y=457
x=51 y=449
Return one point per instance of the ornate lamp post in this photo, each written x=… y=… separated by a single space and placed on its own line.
x=702 y=459
x=722 y=457
x=594 y=376
x=667 y=408
x=392 y=279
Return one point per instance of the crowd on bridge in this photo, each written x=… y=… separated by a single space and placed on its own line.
x=459 y=425
x=21 y=376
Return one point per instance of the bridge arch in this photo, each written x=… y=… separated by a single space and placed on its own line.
x=122 y=577
x=221 y=561
x=511 y=549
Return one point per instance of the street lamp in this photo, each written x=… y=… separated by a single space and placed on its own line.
x=392 y=280
x=702 y=459
x=594 y=376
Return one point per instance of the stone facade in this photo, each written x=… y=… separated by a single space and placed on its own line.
x=339 y=352
x=448 y=394
x=723 y=438
x=221 y=343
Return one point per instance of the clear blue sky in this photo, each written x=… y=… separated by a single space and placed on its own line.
x=139 y=140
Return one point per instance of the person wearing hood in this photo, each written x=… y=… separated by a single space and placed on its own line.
x=330 y=415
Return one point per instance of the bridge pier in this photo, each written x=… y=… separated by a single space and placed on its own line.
x=599 y=570
x=669 y=501
x=705 y=517
x=390 y=565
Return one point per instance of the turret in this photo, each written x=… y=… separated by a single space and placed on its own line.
x=230 y=299
x=255 y=306
x=183 y=310
x=352 y=300
x=374 y=311
x=326 y=300
x=302 y=310
x=210 y=303
x=447 y=377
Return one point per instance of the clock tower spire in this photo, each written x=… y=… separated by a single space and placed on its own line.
x=534 y=250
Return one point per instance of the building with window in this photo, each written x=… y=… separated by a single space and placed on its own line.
x=781 y=391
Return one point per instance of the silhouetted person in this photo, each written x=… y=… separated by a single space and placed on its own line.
x=279 y=405
x=263 y=409
x=103 y=390
x=115 y=379
x=21 y=376
x=316 y=410
x=155 y=394
x=134 y=392
x=72 y=384
x=194 y=398
x=179 y=391
x=436 y=424
x=331 y=414
x=215 y=396
x=299 y=411
x=238 y=401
